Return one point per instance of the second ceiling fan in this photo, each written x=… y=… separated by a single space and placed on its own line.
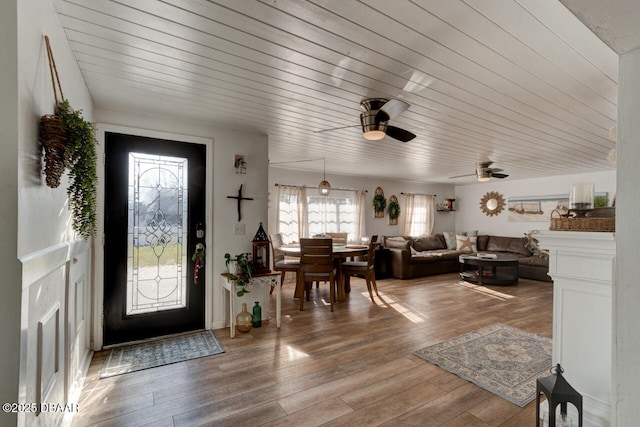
x=484 y=172
x=375 y=117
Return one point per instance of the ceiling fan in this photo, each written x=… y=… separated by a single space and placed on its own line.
x=375 y=116
x=484 y=172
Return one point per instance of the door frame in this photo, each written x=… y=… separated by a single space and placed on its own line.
x=98 y=248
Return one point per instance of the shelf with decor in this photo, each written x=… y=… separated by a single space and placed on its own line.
x=447 y=205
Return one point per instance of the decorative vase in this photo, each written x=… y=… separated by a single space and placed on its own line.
x=244 y=320
x=257 y=315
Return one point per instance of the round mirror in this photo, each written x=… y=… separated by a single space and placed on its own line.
x=492 y=203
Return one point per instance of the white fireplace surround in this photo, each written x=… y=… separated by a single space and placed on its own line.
x=582 y=267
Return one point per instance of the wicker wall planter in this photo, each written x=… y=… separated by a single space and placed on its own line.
x=379 y=203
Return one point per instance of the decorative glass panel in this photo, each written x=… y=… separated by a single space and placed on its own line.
x=157 y=215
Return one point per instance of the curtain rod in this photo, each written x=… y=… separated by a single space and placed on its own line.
x=306 y=186
x=420 y=194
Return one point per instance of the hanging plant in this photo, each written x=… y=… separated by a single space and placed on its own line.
x=379 y=203
x=81 y=160
x=393 y=210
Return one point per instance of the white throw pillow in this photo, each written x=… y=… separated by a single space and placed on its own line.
x=466 y=243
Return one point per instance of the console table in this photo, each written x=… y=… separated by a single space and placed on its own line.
x=264 y=282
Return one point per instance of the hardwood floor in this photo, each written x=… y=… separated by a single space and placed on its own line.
x=351 y=367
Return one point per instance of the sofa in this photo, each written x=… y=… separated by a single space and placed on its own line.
x=413 y=257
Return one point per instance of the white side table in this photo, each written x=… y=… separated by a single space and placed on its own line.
x=265 y=280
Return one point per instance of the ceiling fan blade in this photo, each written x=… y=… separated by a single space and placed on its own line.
x=391 y=109
x=492 y=170
x=499 y=175
x=400 y=134
x=462 y=176
x=341 y=127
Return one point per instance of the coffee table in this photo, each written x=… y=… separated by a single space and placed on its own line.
x=502 y=270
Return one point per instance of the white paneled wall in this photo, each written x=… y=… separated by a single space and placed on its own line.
x=470 y=217
x=56 y=312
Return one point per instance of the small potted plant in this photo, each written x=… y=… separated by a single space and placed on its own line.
x=241 y=268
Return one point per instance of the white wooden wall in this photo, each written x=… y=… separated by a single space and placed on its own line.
x=56 y=320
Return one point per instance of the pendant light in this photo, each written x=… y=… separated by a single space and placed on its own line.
x=324 y=188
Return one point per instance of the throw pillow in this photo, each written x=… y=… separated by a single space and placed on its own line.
x=427 y=243
x=450 y=239
x=466 y=243
x=396 y=242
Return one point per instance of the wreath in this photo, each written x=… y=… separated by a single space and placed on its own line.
x=393 y=209
x=379 y=203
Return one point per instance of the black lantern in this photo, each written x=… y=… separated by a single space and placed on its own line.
x=558 y=392
x=261 y=252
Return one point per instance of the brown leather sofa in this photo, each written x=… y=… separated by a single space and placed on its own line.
x=435 y=258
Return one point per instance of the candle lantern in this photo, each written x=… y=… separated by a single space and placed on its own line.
x=261 y=252
x=558 y=392
x=581 y=196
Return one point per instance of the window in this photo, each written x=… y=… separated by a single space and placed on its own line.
x=302 y=212
x=417 y=214
x=335 y=212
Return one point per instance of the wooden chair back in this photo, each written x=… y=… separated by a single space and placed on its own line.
x=316 y=264
x=338 y=238
x=276 y=243
x=316 y=255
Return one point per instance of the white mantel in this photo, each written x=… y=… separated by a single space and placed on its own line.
x=582 y=265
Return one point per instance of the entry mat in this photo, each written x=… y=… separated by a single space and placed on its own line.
x=164 y=351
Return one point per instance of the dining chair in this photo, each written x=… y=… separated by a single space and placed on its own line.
x=338 y=238
x=365 y=269
x=316 y=264
x=280 y=262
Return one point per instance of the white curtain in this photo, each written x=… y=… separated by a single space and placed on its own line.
x=360 y=228
x=430 y=209
x=406 y=213
x=292 y=213
x=417 y=214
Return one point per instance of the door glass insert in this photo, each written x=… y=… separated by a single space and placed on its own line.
x=156 y=233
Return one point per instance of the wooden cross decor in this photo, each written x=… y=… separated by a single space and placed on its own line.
x=240 y=199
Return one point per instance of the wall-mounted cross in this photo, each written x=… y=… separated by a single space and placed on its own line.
x=240 y=199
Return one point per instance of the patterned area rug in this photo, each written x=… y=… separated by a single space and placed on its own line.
x=136 y=357
x=499 y=358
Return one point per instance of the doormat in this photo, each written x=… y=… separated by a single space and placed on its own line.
x=499 y=358
x=136 y=357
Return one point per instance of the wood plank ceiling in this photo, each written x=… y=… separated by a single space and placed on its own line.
x=520 y=82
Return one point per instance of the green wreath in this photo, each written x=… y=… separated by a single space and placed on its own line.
x=379 y=203
x=393 y=209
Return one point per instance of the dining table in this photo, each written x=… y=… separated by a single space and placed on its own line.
x=340 y=253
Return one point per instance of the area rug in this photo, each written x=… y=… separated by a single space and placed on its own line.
x=151 y=354
x=499 y=358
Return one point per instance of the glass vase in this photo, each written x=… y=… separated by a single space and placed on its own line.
x=257 y=315
x=244 y=320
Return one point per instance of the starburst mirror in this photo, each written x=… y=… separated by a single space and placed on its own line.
x=492 y=203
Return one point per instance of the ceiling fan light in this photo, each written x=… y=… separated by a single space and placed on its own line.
x=374 y=135
x=372 y=130
x=484 y=175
